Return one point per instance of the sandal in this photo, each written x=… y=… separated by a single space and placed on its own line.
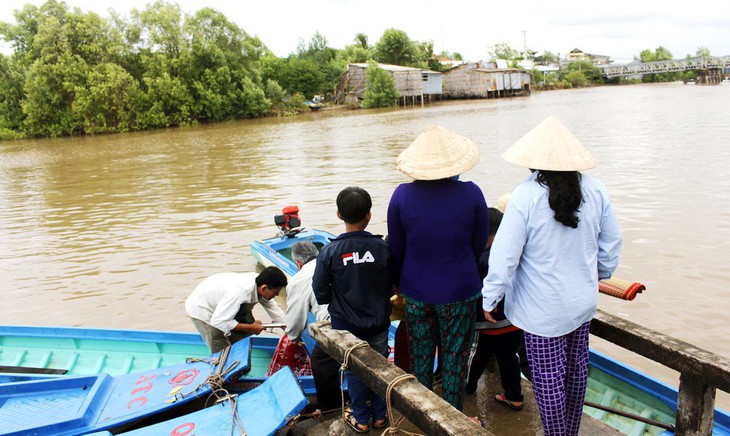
x=500 y=398
x=380 y=423
x=352 y=422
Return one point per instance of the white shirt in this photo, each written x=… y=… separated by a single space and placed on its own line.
x=300 y=301
x=217 y=299
x=547 y=272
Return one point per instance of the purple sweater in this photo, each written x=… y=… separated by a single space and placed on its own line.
x=437 y=230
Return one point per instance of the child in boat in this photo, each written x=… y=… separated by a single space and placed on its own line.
x=504 y=341
x=352 y=276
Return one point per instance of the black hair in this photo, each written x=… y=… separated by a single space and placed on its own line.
x=495 y=219
x=272 y=277
x=354 y=204
x=565 y=196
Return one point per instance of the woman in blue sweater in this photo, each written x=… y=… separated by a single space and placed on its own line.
x=437 y=229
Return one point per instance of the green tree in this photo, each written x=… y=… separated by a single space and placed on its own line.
x=361 y=40
x=702 y=52
x=223 y=61
x=547 y=57
x=354 y=54
x=11 y=95
x=426 y=56
x=169 y=100
x=503 y=50
x=660 y=54
x=380 y=90
x=108 y=101
x=395 y=48
x=51 y=82
x=576 y=78
x=589 y=73
x=281 y=103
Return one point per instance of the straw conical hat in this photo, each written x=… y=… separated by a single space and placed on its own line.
x=550 y=146
x=438 y=153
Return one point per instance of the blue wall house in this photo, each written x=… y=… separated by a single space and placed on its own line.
x=413 y=84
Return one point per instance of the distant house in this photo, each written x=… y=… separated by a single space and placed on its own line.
x=473 y=81
x=578 y=55
x=413 y=84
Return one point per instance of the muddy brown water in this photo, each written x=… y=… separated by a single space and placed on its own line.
x=115 y=231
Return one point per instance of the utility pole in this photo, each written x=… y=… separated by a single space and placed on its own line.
x=524 y=42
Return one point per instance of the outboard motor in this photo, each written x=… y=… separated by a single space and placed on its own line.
x=288 y=220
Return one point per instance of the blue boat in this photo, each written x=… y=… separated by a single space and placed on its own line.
x=82 y=404
x=261 y=411
x=611 y=384
x=276 y=251
x=30 y=352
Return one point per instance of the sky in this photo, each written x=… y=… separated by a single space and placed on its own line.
x=620 y=29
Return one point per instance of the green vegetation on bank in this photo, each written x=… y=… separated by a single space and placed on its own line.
x=77 y=73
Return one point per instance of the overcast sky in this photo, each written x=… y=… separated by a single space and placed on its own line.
x=620 y=29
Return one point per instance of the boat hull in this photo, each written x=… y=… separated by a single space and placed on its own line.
x=82 y=404
x=276 y=251
x=83 y=351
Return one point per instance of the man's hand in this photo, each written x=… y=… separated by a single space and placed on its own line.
x=257 y=327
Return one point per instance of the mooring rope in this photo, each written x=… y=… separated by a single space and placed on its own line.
x=394 y=423
x=345 y=363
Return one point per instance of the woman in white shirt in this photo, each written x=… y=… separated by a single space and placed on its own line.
x=558 y=237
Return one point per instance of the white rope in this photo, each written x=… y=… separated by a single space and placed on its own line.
x=394 y=423
x=345 y=363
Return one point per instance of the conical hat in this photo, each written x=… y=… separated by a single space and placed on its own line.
x=438 y=153
x=550 y=146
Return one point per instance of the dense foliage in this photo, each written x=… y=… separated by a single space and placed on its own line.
x=74 y=72
x=380 y=90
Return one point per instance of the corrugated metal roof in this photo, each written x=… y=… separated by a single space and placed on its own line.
x=387 y=67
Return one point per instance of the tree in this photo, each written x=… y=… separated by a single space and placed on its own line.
x=11 y=95
x=396 y=48
x=588 y=73
x=503 y=50
x=702 y=52
x=51 y=82
x=576 y=78
x=109 y=100
x=380 y=90
x=361 y=40
x=660 y=54
x=546 y=58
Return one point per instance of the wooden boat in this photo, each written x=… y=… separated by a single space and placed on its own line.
x=260 y=411
x=28 y=351
x=82 y=404
x=614 y=388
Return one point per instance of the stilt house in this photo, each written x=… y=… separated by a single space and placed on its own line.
x=412 y=83
x=472 y=81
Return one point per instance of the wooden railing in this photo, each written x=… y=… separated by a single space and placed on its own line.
x=701 y=372
x=418 y=404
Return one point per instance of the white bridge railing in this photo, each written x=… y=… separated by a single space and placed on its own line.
x=703 y=63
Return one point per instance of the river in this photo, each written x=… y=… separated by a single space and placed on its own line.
x=115 y=231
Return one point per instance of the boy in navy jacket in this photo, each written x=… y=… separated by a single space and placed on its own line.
x=352 y=276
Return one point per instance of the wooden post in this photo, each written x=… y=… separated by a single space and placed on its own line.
x=695 y=407
x=419 y=405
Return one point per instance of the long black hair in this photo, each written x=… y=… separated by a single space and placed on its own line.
x=565 y=196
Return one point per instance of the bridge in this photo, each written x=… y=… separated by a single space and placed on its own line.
x=709 y=63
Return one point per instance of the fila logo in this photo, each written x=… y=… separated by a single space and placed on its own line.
x=355 y=257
